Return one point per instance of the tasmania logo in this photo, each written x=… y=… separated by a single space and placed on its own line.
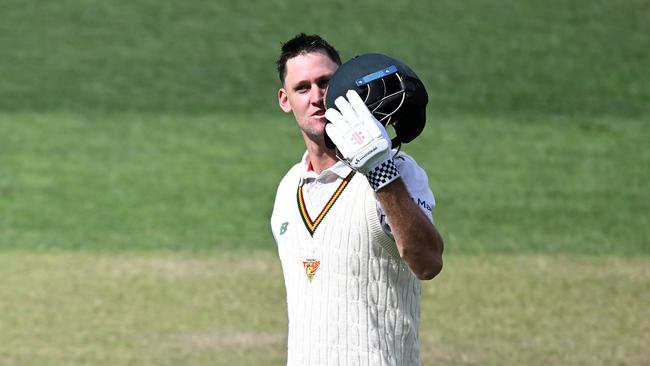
x=311 y=265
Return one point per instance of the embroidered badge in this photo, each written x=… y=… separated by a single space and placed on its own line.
x=311 y=265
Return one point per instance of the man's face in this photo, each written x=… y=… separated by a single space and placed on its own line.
x=303 y=93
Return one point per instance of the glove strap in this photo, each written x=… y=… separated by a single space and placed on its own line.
x=382 y=174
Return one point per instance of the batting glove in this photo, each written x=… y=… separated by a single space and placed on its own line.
x=361 y=140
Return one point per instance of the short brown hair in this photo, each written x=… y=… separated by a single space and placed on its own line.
x=301 y=44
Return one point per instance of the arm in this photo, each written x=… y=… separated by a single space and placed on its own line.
x=365 y=146
x=417 y=239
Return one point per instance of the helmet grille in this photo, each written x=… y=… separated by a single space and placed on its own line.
x=384 y=97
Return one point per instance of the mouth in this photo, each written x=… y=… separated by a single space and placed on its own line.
x=318 y=114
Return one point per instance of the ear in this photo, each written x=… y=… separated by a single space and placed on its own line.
x=283 y=100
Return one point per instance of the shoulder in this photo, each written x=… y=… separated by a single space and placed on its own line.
x=414 y=177
x=416 y=181
x=286 y=190
x=289 y=182
x=293 y=175
x=404 y=160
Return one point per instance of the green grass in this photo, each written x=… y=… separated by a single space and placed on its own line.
x=154 y=125
x=132 y=182
x=155 y=309
x=141 y=146
x=583 y=57
x=537 y=310
x=552 y=185
x=164 y=308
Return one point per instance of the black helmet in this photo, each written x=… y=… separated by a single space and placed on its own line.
x=391 y=90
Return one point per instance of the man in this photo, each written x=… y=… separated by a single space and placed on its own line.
x=353 y=250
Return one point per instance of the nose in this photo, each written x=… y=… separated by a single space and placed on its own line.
x=317 y=95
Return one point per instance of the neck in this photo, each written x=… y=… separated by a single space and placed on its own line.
x=320 y=156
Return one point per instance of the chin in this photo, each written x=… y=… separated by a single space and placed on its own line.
x=315 y=134
x=318 y=123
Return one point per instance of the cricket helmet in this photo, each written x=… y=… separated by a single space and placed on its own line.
x=391 y=90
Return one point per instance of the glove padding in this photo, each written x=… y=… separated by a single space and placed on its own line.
x=361 y=140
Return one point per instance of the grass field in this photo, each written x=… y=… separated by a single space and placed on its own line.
x=141 y=145
x=121 y=243
x=138 y=182
x=166 y=308
x=584 y=57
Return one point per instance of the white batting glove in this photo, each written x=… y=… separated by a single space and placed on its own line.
x=362 y=140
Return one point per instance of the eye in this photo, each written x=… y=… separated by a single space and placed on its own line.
x=323 y=83
x=301 y=89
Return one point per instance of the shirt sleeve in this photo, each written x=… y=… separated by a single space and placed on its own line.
x=417 y=184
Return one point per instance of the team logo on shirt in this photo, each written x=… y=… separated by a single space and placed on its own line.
x=283 y=227
x=311 y=265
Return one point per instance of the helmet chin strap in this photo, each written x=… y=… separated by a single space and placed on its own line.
x=396 y=143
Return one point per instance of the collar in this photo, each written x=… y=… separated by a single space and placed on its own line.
x=307 y=174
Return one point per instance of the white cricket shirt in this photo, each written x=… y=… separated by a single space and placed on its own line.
x=351 y=299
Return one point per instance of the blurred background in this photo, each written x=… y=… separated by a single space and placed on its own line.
x=141 y=145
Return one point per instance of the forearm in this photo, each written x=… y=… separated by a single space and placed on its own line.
x=417 y=239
